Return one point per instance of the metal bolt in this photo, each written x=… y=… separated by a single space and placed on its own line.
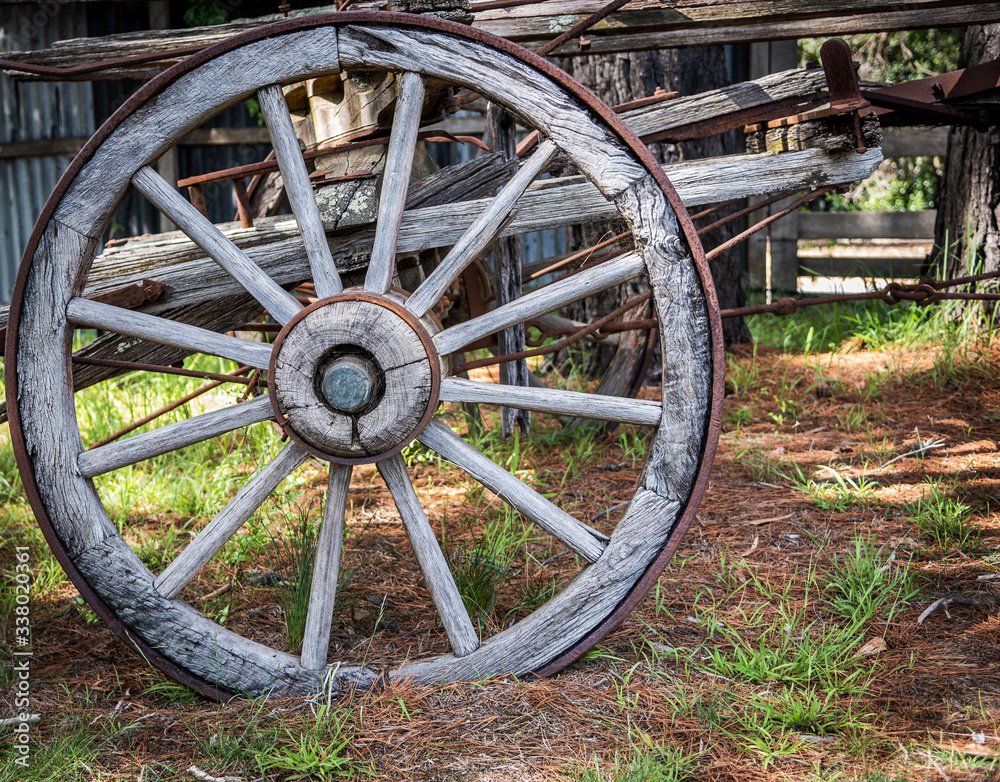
x=349 y=384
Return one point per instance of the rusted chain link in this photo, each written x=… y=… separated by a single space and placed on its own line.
x=924 y=293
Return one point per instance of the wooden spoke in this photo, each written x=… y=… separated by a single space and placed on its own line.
x=483 y=231
x=95 y=315
x=220 y=529
x=556 y=401
x=395 y=181
x=326 y=570
x=542 y=301
x=577 y=536
x=275 y=299
x=440 y=582
x=133 y=450
x=295 y=177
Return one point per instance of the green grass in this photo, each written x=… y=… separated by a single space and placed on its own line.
x=867 y=582
x=838 y=493
x=643 y=764
x=943 y=519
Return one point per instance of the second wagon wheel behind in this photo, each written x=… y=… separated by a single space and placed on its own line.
x=361 y=373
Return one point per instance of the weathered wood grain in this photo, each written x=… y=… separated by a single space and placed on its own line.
x=172 y=437
x=597 y=407
x=220 y=529
x=395 y=182
x=186 y=103
x=326 y=571
x=482 y=232
x=299 y=189
x=275 y=299
x=541 y=301
x=503 y=80
x=578 y=537
x=652 y=24
x=440 y=583
x=192 y=339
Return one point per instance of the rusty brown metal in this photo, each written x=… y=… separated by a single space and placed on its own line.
x=576 y=336
x=243 y=211
x=197 y=197
x=580 y=27
x=583 y=96
x=579 y=256
x=744 y=235
x=425 y=340
x=135 y=366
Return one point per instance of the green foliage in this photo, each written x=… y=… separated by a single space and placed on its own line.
x=838 y=493
x=943 y=519
x=10 y=482
x=201 y=13
x=321 y=751
x=292 y=553
x=867 y=581
x=667 y=764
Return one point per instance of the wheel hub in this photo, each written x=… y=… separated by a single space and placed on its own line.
x=354 y=377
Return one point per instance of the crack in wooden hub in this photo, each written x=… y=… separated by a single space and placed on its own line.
x=346 y=332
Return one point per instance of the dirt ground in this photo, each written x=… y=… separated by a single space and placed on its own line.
x=918 y=696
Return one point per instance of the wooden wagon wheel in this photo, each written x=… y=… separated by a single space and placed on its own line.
x=356 y=376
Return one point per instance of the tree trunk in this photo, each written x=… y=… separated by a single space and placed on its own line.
x=620 y=78
x=967 y=233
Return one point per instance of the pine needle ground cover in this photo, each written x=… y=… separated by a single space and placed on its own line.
x=833 y=612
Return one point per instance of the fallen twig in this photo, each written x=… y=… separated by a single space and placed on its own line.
x=197 y=773
x=918 y=451
x=945 y=602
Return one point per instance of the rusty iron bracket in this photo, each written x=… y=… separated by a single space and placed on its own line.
x=844 y=90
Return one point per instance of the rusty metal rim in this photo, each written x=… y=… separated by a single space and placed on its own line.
x=425 y=341
x=585 y=96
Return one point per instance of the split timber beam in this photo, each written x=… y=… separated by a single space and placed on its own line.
x=642 y=24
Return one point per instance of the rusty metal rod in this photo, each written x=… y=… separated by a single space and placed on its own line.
x=133 y=366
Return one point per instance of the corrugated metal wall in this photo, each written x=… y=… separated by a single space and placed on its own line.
x=35 y=110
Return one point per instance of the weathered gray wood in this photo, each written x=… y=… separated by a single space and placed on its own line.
x=866 y=225
x=652 y=24
x=95 y=315
x=508 y=284
x=578 y=537
x=796 y=88
x=275 y=247
x=598 y=407
x=219 y=530
x=541 y=301
x=299 y=190
x=505 y=81
x=440 y=583
x=482 y=232
x=648 y=24
x=279 y=302
x=395 y=182
x=476 y=178
x=397 y=350
x=182 y=106
x=326 y=571
x=172 y=437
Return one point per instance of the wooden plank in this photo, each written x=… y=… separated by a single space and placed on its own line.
x=577 y=536
x=182 y=106
x=643 y=24
x=276 y=248
x=275 y=299
x=93 y=314
x=395 y=182
x=867 y=225
x=220 y=529
x=542 y=301
x=596 y=407
x=484 y=229
x=326 y=570
x=437 y=577
x=502 y=80
x=175 y=436
x=299 y=189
